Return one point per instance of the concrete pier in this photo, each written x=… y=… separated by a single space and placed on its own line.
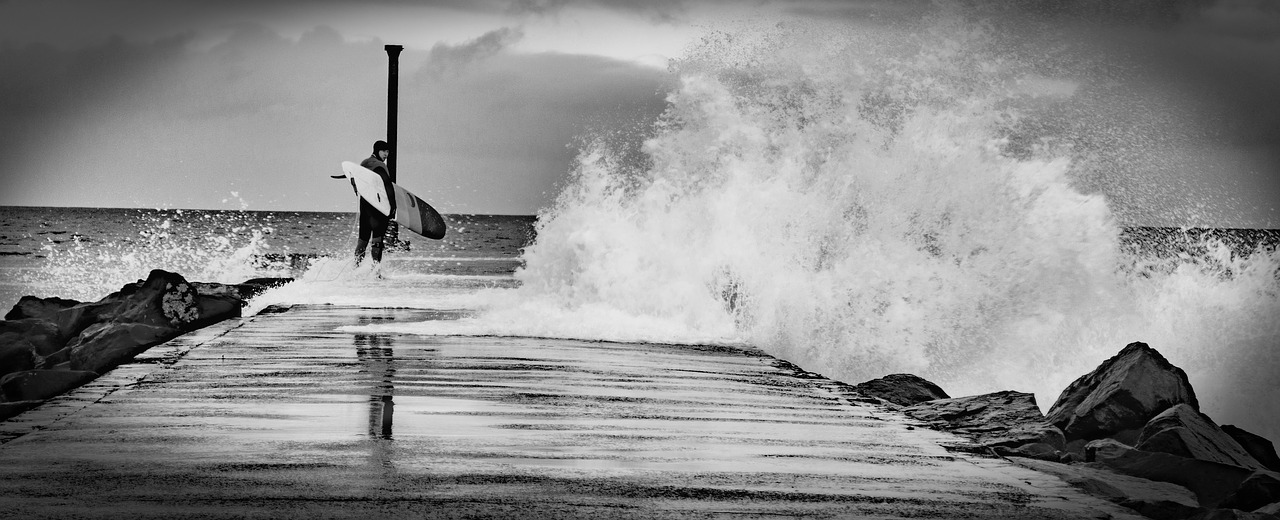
x=282 y=416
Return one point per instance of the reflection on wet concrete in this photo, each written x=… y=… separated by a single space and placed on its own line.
x=377 y=354
x=285 y=417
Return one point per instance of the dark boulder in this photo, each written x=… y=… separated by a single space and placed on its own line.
x=164 y=299
x=38 y=385
x=1150 y=498
x=1260 y=489
x=1231 y=514
x=901 y=389
x=104 y=346
x=1183 y=431
x=10 y=409
x=71 y=321
x=1212 y=482
x=216 y=302
x=1008 y=418
x=255 y=286
x=41 y=336
x=1121 y=395
x=26 y=343
x=1259 y=447
x=15 y=357
x=102 y=334
x=1036 y=450
x=35 y=307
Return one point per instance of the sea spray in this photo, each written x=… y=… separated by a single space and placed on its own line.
x=863 y=211
x=223 y=247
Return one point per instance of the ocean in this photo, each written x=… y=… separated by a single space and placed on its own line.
x=856 y=206
x=86 y=253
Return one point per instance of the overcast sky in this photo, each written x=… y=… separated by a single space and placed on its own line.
x=252 y=104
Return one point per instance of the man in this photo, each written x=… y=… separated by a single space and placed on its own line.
x=373 y=224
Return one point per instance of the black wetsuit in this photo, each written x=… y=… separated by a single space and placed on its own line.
x=373 y=224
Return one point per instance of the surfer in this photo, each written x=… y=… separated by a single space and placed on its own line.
x=373 y=224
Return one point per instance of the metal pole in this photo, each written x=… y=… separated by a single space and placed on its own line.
x=393 y=94
x=393 y=57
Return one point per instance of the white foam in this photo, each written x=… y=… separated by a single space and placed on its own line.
x=334 y=281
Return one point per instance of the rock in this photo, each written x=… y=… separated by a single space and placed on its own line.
x=1103 y=449
x=164 y=299
x=1152 y=499
x=1260 y=489
x=1259 y=447
x=1230 y=514
x=38 y=385
x=998 y=419
x=901 y=389
x=41 y=336
x=1036 y=450
x=256 y=286
x=71 y=321
x=25 y=343
x=104 y=346
x=16 y=356
x=42 y=308
x=8 y=410
x=1076 y=448
x=1273 y=509
x=1123 y=393
x=1183 y=431
x=106 y=333
x=1212 y=482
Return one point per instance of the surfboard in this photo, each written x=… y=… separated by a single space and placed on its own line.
x=411 y=211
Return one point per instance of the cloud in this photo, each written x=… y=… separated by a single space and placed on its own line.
x=520 y=117
x=1175 y=100
x=451 y=60
x=1140 y=12
x=1251 y=19
x=656 y=10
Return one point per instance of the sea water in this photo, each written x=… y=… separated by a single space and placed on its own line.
x=87 y=253
x=853 y=204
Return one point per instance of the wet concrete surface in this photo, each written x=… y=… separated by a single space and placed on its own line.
x=281 y=416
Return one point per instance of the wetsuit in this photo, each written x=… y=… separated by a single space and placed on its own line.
x=373 y=224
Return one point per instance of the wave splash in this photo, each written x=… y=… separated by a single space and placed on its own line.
x=854 y=203
x=223 y=247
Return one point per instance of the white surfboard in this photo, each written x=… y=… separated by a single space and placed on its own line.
x=411 y=211
x=369 y=185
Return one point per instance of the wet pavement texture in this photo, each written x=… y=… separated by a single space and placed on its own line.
x=282 y=416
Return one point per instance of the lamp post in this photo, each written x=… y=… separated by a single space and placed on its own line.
x=393 y=74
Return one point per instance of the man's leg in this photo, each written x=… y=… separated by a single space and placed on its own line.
x=360 y=247
x=378 y=231
x=366 y=228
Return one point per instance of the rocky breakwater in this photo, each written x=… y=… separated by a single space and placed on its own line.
x=51 y=345
x=1130 y=431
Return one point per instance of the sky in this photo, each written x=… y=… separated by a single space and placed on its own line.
x=241 y=104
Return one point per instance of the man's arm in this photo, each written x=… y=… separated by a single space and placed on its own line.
x=391 y=189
